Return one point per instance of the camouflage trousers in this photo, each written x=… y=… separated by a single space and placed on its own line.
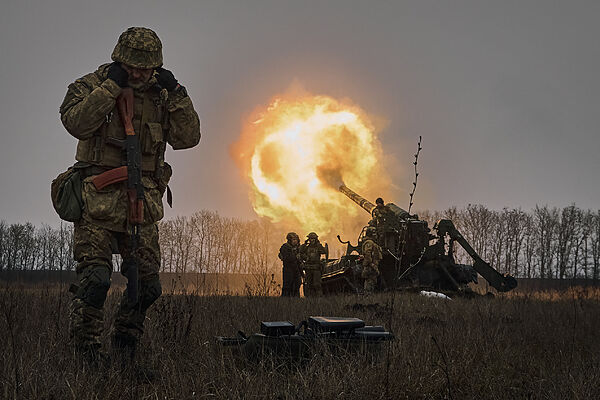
x=312 y=281
x=93 y=253
x=291 y=282
x=370 y=273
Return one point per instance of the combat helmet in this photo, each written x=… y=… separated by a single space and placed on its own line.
x=292 y=235
x=139 y=48
x=312 y=235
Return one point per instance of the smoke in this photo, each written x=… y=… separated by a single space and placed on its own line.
x=332 y=177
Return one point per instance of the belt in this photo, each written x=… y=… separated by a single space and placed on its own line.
x=86 y=170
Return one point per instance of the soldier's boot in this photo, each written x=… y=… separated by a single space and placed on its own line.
x=124 y=347
x=93 y=356
x=129 y=328
x=124 y=351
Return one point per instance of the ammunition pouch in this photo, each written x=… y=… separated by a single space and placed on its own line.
x=65 y=192
x=105 y=198
x=107 y=205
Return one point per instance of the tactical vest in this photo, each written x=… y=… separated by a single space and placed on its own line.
x=150 y=120
x=313 y=253
x=288 y=250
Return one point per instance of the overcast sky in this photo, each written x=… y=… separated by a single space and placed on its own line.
x=506 y=94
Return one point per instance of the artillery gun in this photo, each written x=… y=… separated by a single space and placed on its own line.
x=413 y=255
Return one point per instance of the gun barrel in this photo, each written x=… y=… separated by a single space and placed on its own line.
x=358 y=199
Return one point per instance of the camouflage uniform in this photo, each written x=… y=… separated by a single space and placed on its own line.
x=372 y=255
x=161 y=117
x=381 y=214
x=292 y=274
x=310 y=254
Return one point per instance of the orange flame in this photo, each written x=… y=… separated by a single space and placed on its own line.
x=298 y=150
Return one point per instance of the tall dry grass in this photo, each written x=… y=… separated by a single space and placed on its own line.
x=503 y=347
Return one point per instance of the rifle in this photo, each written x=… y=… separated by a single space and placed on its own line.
x=135 y=190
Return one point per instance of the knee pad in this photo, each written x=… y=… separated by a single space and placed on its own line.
x=95 y=285
x=150 y=291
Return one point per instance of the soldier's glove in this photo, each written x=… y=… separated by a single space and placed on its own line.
x=118 y=74
x=166 y=79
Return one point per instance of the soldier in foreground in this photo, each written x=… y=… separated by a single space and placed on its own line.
x=310 y=254
x=161 y=113
x=292 y=272
x=372 y=255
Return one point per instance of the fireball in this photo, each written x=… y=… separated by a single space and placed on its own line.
x=298 y=150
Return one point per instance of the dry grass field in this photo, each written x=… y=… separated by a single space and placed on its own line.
x=543 y=345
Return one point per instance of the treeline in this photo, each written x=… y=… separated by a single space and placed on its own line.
x=546 y=242
x=25 y=247
x=204 y=242
x=208 y=242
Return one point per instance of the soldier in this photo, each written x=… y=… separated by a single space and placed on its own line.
x=310 y=254
x=383 y=213
x=380 y=212
x=292 y=273
x=162 y=114
x=371 y=256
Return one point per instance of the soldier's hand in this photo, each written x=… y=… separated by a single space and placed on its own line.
x=166 y=78
x=118 y=74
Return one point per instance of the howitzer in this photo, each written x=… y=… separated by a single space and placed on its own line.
x=413 y=255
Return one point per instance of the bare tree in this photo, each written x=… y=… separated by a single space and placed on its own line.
x=546 y=242
x=545 y=230
x=595 y=245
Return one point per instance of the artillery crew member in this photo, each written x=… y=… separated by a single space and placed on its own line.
x=381 y=213
x=310 y=254
x=371 y=256
x=292 y=272
x=161 y=114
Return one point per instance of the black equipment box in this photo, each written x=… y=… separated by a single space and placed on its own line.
x=334 y=324
x=277 y=328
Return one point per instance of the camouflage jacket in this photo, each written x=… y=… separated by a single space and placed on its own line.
x=89 y=113
x=310 y=254
x=289 y=255
x=371 y=252
x=382 y=215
